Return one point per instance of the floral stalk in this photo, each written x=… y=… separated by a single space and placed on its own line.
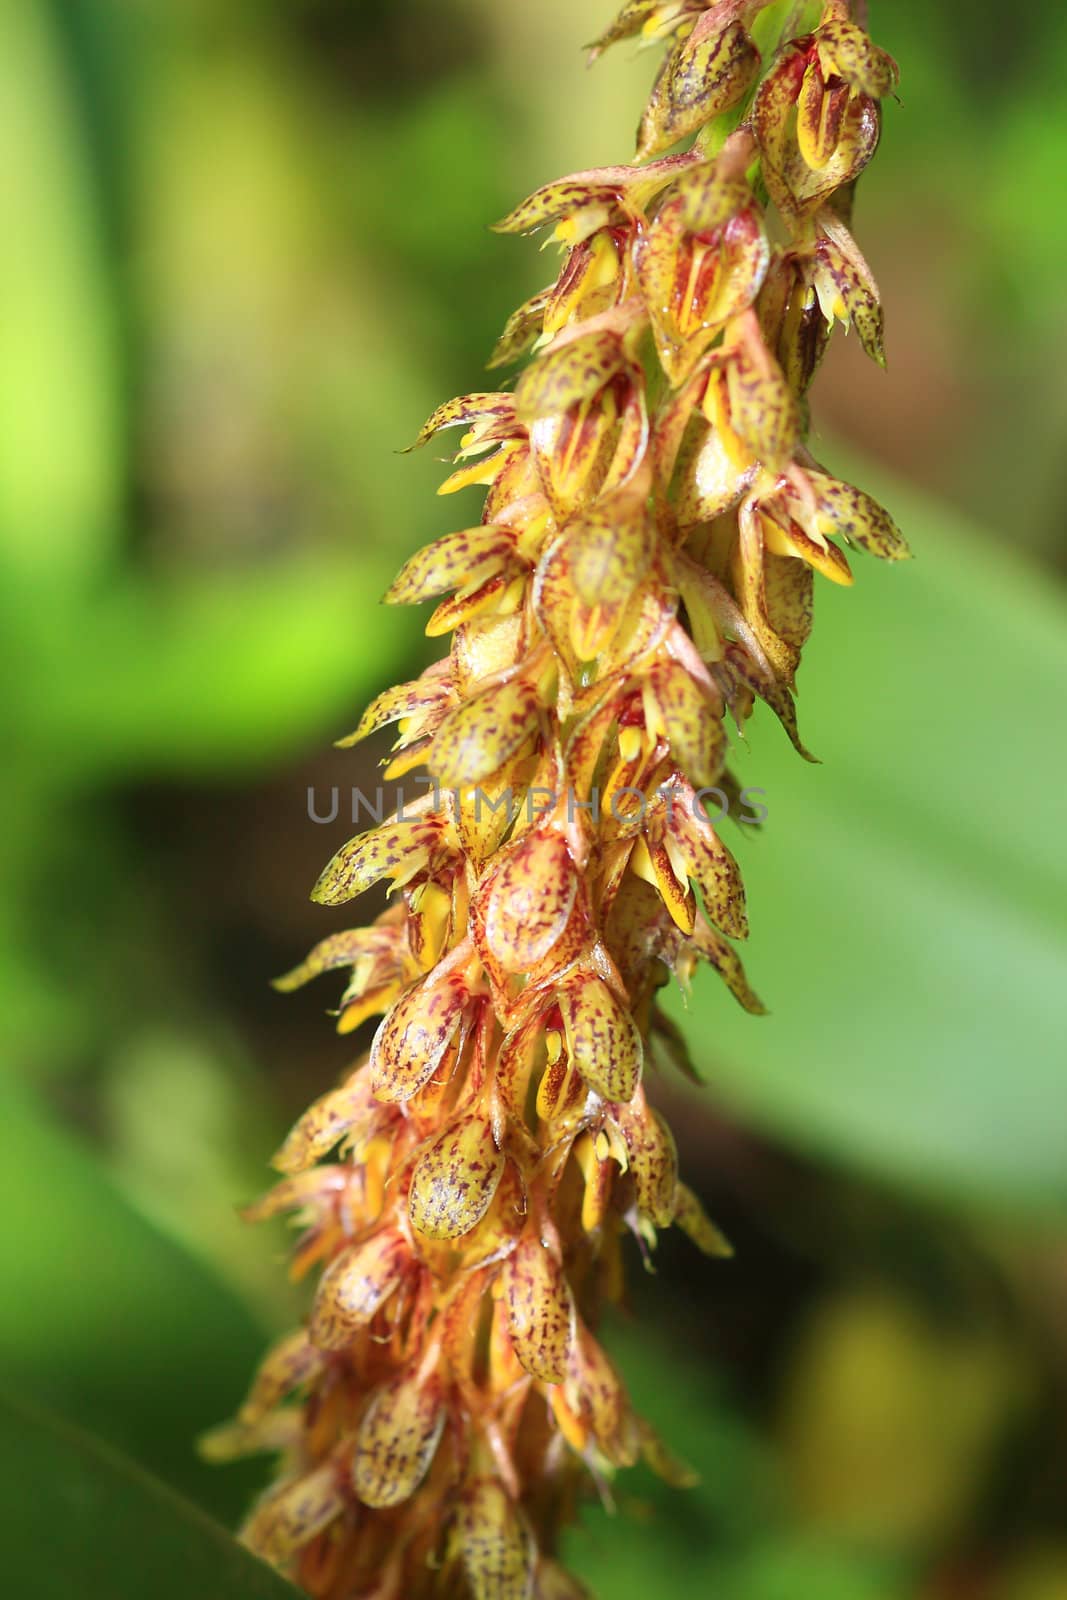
x=642 y=571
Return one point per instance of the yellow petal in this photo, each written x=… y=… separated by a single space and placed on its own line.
x=713 y=948
x=853 y=515
x=572 y=371
x=520 y=330
x=483 y=411
x=763 y=412
x=847 y=51
x=595 y=1391
x=820 y=109
x=653 y=1162
x=317 y=1189
x=608 y=555
x=691 y=719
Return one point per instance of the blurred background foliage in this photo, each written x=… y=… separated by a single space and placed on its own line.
x=245 y=254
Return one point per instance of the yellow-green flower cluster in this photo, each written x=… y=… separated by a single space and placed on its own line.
x=643 y=571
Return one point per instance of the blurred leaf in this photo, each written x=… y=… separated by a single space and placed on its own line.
x=908 y=896
x=78 y=1519
x=212 y=673
x=107 y=1319
x=61 y=444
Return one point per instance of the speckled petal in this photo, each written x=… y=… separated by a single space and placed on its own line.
x=290 y=1516
x=339 y=950
x=479 y=736
x=397 y=1439
x=848 y=293
x=469 y=411
x=763 y=412
x=530 y=901
x=406 y=701
x=638 y=17
x=316 y=1190
x=608 y=553
x=856 y=517
x=584 y=201
x=788 y=595
x=663 y=1461
x=587 y=196
x=293 y=1361
x=573 y=370
x=539 y=1307
x=413 y=1038
x=603 y=1041
x=846 y=50
x=691 y=721
x=712 y=868
x=396 y=851
x=653 y=1162
x=520 y=330
x=708 y=480
x=820 y=110
x=353 y=1287
x=857 y=141
x=339 y=1114
x=704 y=75
x=461 y=560
x=596 y=1393
x=493 y=1544
x=455 y=1179
x=710 y=945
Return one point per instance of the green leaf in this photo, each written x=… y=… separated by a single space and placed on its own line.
x=107 y=1319
x=907 y=897
x=80 y=1520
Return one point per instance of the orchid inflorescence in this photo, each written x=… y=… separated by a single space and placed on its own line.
x=642 y=569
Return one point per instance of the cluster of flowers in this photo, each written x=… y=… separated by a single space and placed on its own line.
x=643 y=568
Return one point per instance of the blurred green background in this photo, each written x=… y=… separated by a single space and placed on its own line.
x=245 y=253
